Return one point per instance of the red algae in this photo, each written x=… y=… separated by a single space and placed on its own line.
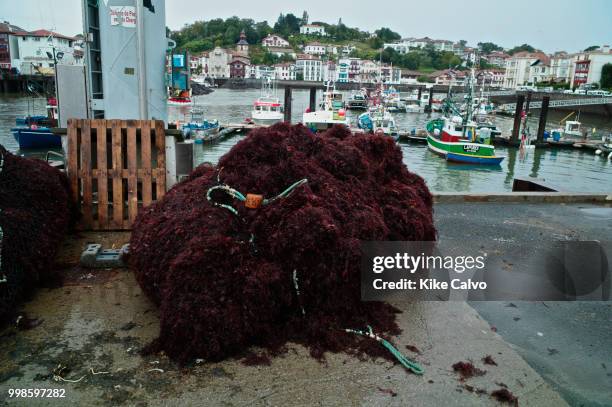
x=225 y=282
x=467 y=370
x=36 y=212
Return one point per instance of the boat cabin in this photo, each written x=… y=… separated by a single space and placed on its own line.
x=455 y=131
x=572 y=128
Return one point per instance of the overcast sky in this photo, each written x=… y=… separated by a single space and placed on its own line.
x=550 y=25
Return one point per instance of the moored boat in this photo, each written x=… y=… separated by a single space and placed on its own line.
x=180 y=101
x=458 y=139
x=198 y=128
x=378 y=121
x=357 y=101
x=454 y=141
x=267 y=108
x=331 y=111
x=34 y=132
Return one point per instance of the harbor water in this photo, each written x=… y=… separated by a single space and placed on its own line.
x=570 y=170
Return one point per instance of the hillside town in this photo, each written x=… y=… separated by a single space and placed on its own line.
x=321 y=61
x=321 y=58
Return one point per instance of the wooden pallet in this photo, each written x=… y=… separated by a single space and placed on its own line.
x=116 y=168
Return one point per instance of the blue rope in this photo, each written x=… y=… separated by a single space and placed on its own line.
x=409 y=364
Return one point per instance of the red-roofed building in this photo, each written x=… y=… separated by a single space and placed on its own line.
x=31 y=52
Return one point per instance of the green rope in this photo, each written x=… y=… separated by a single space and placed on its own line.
x=409 y=364
x=238 y=195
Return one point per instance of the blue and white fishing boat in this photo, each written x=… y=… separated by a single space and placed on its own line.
x=378 y=121
x=34 y=131
x=200 y=129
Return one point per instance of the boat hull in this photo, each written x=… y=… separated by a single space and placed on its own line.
x=36 y=138
x=266 y=120
x=471 y=153
x=470 y=159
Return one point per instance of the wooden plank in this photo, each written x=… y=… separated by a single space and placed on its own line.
x=117 y=170
x=100 y=126
x=160 y=143
x=145 y=159
x=73 y=155
x=132 y=169
x=87 y=207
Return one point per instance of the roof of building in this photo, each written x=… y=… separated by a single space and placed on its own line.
x=6 y=27
x=314 y=44
x=44 y=33
x=312 y=25
x=274 y=36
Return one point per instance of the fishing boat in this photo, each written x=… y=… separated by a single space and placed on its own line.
x=267 y=108
x=34 y=131
x=331 y=111
x=392 y=101
x=457 y=141
x=456 y=137
x=378 y=121
x=179 y=101
x=200 y=129
x=357 y=101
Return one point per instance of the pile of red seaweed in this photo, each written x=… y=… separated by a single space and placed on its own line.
x=298 y=279
x=35 y=213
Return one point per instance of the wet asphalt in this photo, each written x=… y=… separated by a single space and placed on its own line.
x=569 y=343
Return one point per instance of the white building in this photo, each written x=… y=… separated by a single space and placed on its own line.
x=260 y=71
x=588 y=66
x=32 y=52
x=310 y=66
x=273 y=40
x=561 y=65
x=315 y=48
x=284 y=72
x=347 y=49
x=443 y=45
x=493 y=78
x=218 y=63
x=369 y=72
x=518 y=67
x=312 y=29
x=540 y=71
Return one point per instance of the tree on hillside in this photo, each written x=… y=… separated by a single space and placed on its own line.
x=591 y=48
x=387 y=35
x=463 y=43
x=519 y=48
x=287 y=25
x=606 y=77
x=488 y=47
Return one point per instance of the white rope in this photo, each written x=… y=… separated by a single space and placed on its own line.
x=297 y=290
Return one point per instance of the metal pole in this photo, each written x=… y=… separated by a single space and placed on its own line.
x=517 y=119
x=288 y=104
x=313 y=99
x=57 y=99
x=142 y=75
x=542 y=124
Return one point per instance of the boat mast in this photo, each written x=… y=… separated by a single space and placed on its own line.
x=470 y=95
